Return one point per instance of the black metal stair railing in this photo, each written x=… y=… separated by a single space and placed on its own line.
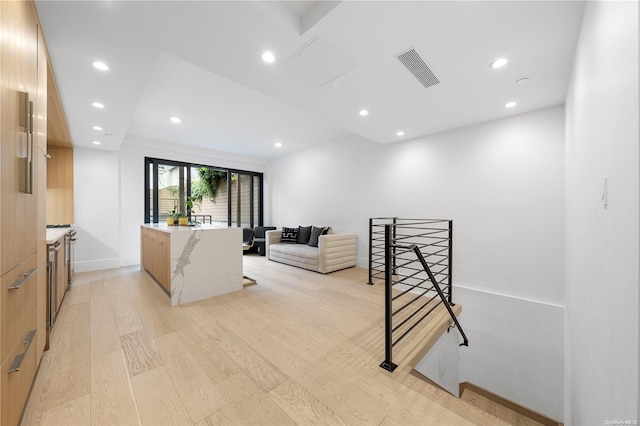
x=415 y=258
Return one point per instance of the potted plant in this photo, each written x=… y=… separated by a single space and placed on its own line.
x=177 y=216
x=173 y=218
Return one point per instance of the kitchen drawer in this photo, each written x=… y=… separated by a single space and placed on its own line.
x=18 y=308
x=16 y=384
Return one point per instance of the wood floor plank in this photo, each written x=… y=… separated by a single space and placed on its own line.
x=196 y=313
x=153 y=307
x=252 y=403
x=213 y=360
x=124 y=311
x=140 y=352
x=199 y=394
x=302 y=406
x=70 y=348
x=261 y=370
x=112 y=399
x=76 y=412
x=192 y=335
x=104 y=330
x=158 y=401
x=40 y=392
x=78 y=293
x=226 y=416
x=390 y=421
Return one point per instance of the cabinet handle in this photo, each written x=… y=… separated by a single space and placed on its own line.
x=17 y=361
x=25 y=277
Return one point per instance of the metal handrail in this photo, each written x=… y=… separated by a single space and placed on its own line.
x=441 y=294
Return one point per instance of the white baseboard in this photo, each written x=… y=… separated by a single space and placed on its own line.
x=129 y=261
x=96 y=265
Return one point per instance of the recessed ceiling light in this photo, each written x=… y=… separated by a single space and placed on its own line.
x=400 y=133
x=499 y=63
x=101 y=66
x=278 y=144
x=510 y=104
x=364 y=112
x=268 y=57
x=96 y=142
x=97 y=105
x=175 y=120
x=98 y=128
x=523 y=80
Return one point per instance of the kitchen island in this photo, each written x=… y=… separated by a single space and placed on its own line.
x=192 y=263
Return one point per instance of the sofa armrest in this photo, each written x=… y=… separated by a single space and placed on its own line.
x=336 y=251
x=271 y=237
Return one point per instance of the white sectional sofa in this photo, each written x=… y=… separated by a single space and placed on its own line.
x=335 y=251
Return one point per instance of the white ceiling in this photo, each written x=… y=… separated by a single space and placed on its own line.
x=201 y=61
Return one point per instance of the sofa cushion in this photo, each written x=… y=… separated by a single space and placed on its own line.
x=298 y=255
x=315 y=234
x=289 y=235
x=304 y=233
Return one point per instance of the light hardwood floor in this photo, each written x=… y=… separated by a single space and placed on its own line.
x=297 y=348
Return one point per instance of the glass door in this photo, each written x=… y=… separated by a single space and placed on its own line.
x=242 y=194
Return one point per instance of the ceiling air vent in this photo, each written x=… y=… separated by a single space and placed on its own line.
x=418 y=68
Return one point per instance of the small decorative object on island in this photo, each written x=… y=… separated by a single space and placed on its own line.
x=174 y=217
x=177 y=216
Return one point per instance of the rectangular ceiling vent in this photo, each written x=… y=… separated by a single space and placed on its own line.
x=414 y=63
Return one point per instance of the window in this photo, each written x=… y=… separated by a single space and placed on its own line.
x=219 y=196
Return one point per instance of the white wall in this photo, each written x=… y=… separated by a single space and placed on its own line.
x=97 y=209
x=602 y=244
x=502 y=184
x=109 y=196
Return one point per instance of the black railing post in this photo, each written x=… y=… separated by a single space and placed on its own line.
x=393 y=242
x=387 y=364
x=450 y=262
x=370 y=251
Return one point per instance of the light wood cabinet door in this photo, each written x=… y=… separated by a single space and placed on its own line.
x=18 y=331
x=163 y=260
x=18 y=56
x=18 y=304
x=16 y=383
x=156 y=256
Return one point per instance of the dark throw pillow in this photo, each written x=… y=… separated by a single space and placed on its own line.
x=315 y=234
x=289 y=235
x=304 y=233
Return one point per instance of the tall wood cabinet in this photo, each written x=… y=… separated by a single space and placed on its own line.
x=23 y=120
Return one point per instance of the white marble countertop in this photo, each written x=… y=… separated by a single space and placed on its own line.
x=54 y=234
x=166 y=228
